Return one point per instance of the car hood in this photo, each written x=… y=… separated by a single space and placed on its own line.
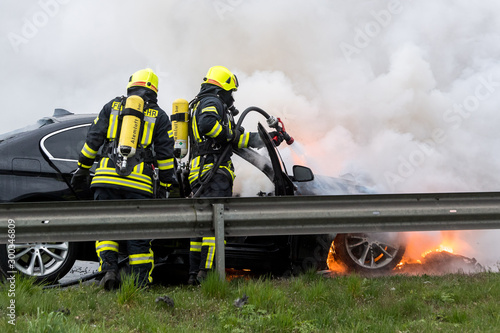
x=325 y=185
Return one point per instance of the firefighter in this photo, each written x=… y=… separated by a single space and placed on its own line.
x=212 y=130
x=136 y=138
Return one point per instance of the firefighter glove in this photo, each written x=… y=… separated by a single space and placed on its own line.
x=81 y=179
x=276 y=137
x=237 y=133
x=255 y=141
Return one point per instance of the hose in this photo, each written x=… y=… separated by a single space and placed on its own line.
x=82 y=279
x=229 y=147
x=73 y=282
x=249 y=109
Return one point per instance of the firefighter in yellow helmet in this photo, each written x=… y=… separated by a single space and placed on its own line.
x=136 y=139
x=212 y=130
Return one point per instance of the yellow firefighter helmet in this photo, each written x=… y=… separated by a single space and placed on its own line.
x=222 y=77
x=144 y=78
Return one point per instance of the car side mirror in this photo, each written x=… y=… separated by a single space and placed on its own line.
x=302 y=173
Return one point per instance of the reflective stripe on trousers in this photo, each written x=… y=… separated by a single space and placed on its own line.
x=142 y=264
x=141 y=257
x=107 y=251
x=207 y=252
x=201 y=254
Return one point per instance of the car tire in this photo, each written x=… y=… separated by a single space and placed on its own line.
x=369 y=253
x=46 y=262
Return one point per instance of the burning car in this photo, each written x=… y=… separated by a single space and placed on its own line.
x=37 y=164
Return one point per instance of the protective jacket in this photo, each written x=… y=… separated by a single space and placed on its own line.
x=212 y=130
x=155 y=147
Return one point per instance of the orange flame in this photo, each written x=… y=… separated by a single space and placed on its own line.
x=441 y=248
x=333 y=264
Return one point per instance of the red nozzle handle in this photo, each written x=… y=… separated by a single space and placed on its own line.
x=289 y=140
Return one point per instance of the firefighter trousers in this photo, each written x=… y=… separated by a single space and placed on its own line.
x=202 y=250
x=140 y=254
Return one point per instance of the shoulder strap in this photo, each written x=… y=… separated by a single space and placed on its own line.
x=206 y=147
x=199 y=97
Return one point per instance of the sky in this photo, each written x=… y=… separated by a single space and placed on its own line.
x=401 y=95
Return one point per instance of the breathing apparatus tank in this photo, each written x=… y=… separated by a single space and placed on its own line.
x=180 y=125
x=130 y=129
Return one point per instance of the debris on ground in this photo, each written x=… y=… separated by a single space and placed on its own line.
x=64 y=311
x=239 y=302
x=434 y=263
x=441 y=262
x=165 y=300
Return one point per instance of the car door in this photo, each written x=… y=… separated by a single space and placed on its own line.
x=61 y=149
x=263 y=253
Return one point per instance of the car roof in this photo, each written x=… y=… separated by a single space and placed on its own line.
x=60 y=117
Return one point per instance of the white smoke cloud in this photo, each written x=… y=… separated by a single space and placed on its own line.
x=403 y=93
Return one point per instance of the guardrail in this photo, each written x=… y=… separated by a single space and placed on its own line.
x=184 y=218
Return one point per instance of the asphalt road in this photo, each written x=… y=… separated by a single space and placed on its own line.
x=79 y=270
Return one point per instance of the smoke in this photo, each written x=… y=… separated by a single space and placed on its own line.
x=403 y=95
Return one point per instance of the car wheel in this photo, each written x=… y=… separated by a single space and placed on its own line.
x=46 y=262
x=369 y=253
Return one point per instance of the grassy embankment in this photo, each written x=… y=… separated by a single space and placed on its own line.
x=309 y=303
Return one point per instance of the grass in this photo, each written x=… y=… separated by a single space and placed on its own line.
x=308 y=303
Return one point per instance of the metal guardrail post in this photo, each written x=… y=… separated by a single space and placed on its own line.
x=220 y=261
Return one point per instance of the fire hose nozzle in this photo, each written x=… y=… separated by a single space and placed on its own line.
x=280 y=127
x=272 y=121
x=288 y=139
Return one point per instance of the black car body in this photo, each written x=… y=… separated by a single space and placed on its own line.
x=37 y=164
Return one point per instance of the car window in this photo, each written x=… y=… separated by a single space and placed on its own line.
x=65 y=144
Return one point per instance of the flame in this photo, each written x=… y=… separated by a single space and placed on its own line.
x=232 y=274
x=408 y=260
x=339 y=268
x=426 y=253
x=437 y=253
x=333 y=264
x=410 y=256
x=421 y=244
x=441 y=248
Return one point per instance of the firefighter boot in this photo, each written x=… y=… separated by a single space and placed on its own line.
x=202 y=275
x=193 y=281
x=110 y=281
